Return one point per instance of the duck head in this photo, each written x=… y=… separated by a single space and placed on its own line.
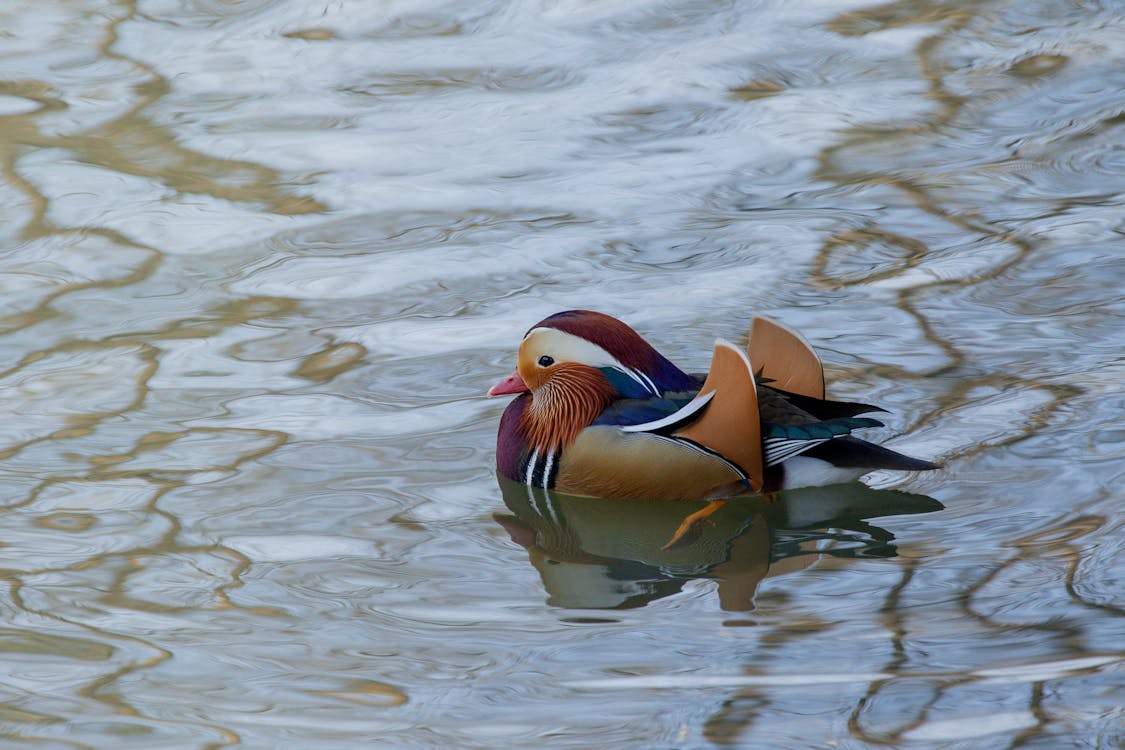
x=599 y=341
x=576 y=363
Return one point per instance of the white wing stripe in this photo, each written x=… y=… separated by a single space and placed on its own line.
x=779 y=449
x=647 y=382
x=683 y=413
x=705 y=451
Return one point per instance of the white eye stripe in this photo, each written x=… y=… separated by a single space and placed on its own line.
x=568 y=347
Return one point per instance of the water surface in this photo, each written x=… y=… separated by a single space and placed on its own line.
x=261 y=261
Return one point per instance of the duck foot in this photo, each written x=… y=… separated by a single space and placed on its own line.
x=691 y=526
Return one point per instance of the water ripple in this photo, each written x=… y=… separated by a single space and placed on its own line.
x=263 y=259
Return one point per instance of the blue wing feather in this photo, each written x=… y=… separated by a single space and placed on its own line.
x=779 y=441
x=630 y=411
x=626 y=386
x=782 y=441
x=825 y=430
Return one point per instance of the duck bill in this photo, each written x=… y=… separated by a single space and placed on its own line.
x=511 y=384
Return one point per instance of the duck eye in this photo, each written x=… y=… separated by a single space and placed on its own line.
x=546 y=361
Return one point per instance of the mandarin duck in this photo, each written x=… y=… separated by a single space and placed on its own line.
x=601 y=413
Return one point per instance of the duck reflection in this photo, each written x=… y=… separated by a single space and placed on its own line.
x=596 y=553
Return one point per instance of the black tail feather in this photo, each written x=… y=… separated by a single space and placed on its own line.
x=850 y=452
x=823 y=409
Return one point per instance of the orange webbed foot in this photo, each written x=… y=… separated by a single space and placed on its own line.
x=692 y=525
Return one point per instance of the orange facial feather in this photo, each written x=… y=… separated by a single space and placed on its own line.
x=564 y=403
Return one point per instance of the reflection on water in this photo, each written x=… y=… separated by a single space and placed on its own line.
x=260 y=261
x=599 y=554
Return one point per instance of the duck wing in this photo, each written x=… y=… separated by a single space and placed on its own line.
x=730 y=416
x=782 y=357
x=647 y=412
x=719 y=422
x=855 y=453
x=785 y=441
x=728 y=422
x=818 y=407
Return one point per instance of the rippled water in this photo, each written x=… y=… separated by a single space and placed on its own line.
x=261 y=260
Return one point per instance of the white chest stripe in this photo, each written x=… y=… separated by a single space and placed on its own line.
x=547 y=469
x=529 y=476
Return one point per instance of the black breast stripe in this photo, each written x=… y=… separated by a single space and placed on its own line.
x=541 y=470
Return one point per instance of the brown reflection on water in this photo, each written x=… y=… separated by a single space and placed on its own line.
x=899 y=708
x=154 y=517
x=882 y=704
x=133 y=144
x=878 y=252
x=124 y=553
